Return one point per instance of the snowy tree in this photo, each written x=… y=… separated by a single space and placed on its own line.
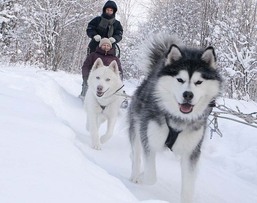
x=52 y=33
x=229 y=26
x=124 y=13
x=128 y=45
x=180 y=17
x=234 y=34
x=8 y=20
x=129 y=53
x=47 y=26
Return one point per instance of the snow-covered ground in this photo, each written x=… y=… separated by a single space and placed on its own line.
x=45 y=153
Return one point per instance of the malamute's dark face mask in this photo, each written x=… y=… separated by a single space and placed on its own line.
x=190 y=79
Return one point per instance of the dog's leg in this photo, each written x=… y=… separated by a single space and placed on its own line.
x=87 y=124
x=135 y=157
x=93 y=129
x=149 y=175
x=110 y=128
x=188 y=146
x=188 y=171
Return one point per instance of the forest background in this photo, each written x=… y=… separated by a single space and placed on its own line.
x=51 y=34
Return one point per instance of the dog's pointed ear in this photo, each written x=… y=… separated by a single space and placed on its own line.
x=209 y=57
x=174 y=54
x=114 y=66
x=98 y=63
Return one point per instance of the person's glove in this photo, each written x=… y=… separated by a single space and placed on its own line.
x=112 y=40
x=97 y=38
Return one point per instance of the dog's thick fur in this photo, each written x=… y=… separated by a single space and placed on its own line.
x=172 y=101
x=101 y=101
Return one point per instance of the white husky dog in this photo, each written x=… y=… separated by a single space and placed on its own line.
x=101 y=101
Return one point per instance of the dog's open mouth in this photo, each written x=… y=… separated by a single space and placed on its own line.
x=100 y=93
x=186 y=108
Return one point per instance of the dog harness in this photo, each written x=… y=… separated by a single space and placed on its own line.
x=172 y=136
x=103 y=107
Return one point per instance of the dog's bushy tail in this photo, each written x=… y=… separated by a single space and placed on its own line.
x=155 y=49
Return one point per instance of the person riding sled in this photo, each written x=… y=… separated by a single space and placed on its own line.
x=105 y=26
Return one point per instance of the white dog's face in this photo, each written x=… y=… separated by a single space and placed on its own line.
x=186 y=97
x=104 y=80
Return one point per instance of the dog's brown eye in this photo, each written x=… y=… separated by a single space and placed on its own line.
x=198 y=82
x=98 y=78
x=180 y=80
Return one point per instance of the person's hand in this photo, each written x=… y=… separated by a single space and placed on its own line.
x=112 y=40
x=97 y=38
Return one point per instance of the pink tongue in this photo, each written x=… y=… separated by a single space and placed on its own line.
x=186 y=108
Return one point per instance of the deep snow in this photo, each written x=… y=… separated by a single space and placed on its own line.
x=45 y=153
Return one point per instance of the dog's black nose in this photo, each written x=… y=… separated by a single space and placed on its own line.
x=99 y=88
x=188 y=95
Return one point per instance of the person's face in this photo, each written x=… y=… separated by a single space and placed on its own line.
x=106 y=47
x=109 y=11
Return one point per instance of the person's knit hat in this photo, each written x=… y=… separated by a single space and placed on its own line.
x=105 y=41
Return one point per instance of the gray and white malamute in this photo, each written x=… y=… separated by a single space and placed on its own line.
x=170 y=108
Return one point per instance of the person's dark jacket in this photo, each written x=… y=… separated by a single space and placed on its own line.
x=93 y=27
x=107 y=58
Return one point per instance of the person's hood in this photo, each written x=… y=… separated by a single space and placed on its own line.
x=110 y=4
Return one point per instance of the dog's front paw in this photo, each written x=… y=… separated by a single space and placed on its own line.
x=96 y=147
x=138 y=179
